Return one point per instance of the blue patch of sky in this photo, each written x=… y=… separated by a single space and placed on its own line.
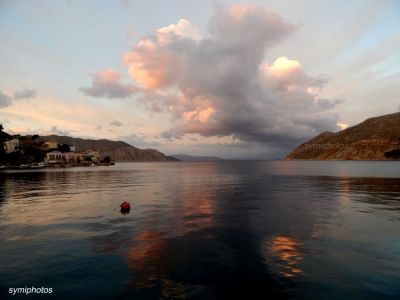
x=73 y=39
x=375 y=44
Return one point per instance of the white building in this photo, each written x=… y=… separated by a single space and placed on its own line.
x=54 y=157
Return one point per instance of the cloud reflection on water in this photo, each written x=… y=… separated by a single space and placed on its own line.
x=203 y=229
x=198 y=210
x=288 y=251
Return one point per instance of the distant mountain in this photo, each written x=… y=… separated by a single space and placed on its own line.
x=185 y=157
x=374 y=139
x=117 y=150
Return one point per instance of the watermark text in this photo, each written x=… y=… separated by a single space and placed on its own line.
x=30 y=290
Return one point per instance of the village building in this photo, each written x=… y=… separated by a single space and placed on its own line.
x=27 y=141
x=91 y=155
x=54 y=157
x=70 y=158
x=51 y=145
x=11 y=146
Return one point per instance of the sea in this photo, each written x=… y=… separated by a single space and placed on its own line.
x=202 y=230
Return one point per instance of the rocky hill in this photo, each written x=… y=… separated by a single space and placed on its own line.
x=374 y=139
x=116 y=150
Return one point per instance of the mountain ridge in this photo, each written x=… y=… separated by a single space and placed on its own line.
x=376 y=138
x=119 y=151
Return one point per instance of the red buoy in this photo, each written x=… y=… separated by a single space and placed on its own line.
x=125 y=207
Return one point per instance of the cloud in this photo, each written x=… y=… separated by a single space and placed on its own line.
x=5 y=100
x=220 y=84
x=116 y=123
x=21 y=94
x=25 y=93
x=4 y=122
x=54 y=130
x=181 y=29
x=107 y=84
x=125 y=3
x=171 y=134
x=342 y=125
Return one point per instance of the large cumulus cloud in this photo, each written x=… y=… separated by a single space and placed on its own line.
x=219 y=83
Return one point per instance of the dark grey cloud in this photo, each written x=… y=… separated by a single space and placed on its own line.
x=22 y=94
x=172 y=133
x=107 y=84
x=56 y=131
x=5 y=100
x=221 y=85
x=25 y=93
x=116 y=123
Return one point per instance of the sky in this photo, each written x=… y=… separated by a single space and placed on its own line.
x=222 y=78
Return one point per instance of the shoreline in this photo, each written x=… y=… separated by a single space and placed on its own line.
x=30 y=167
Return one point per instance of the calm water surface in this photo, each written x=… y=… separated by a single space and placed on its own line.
x=223 y=230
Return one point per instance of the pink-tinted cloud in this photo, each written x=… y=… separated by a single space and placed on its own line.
x=107 y=84
x=220 y=84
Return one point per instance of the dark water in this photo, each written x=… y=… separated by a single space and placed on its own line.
x=227 y=230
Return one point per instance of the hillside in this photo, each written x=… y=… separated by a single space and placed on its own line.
x=374 y=139
x=116 y=150
x=185 y=157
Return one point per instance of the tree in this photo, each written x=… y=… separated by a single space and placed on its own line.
x=2 y=152
x=4 y=136
x=63 y=148
x=87 y=158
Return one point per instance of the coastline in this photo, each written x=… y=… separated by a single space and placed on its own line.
x=34 y=167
